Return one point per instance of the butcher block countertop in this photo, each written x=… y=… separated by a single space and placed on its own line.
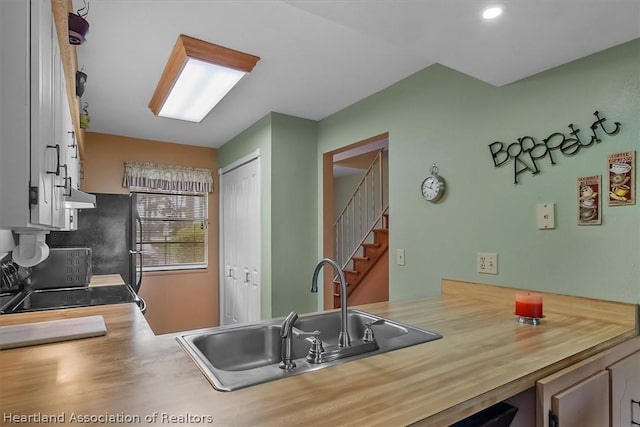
x=106 y=280
x=485 y=356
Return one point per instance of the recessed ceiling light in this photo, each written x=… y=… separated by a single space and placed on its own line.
x=492 y=12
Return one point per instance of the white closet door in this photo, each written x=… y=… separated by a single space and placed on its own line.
x=240 y=240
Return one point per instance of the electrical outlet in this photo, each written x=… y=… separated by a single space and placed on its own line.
x=400 y=256
x=487 y=263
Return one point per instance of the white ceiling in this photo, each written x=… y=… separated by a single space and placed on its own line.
x=320 y=56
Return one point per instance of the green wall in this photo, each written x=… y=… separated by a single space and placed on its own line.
x=294 y=212
x=441 y=116
x=288 y=150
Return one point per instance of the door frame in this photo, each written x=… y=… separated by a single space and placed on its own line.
x=328 y=215
x=255 y=155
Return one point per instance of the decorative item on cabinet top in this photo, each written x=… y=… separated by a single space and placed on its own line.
x=85 y=118
x=78 y=25
x=81 y=82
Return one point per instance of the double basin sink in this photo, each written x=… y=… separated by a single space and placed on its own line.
x=240 y=356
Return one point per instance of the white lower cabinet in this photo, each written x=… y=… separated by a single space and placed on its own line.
x=625 y=391
x=585 y=403
x=600 y=391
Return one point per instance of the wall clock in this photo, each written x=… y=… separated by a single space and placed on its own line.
x=433 y=186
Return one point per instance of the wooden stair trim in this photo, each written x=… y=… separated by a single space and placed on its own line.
x=380 y=247
x=363 y=275
x=372 y=251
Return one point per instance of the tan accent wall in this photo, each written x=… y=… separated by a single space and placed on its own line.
x=176 y=301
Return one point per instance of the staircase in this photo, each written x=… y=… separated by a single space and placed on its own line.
x=360 y=265
x=362 y=231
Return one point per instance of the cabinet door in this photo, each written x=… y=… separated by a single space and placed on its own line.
x=625 y=391
x=586 y=404
x=49 y=138
x=548 y=387
x=14 y=114
x=45 y=154
x=60 y=138
x=72 y=162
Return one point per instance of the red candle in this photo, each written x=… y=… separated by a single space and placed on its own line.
x=529 y=305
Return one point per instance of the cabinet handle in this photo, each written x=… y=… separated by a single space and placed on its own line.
x=70 y=184
x=67 y=181
x=74 y=145
x=633 y=419
x=553 y=420
x=57 y=148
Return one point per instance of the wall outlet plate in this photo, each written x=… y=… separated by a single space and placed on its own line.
x=545 y=216
x=487 y=263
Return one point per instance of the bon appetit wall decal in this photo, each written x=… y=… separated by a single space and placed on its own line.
x=527 y=153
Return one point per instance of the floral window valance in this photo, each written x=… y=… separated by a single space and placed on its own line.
x=164 y=177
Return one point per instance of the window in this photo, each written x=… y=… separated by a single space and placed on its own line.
x=174 y=230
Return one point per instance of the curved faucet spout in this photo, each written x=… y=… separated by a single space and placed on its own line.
x=344 y=340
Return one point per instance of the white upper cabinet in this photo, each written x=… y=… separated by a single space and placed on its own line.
x=38 y=160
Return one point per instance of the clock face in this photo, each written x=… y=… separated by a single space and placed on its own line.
x=432 y=188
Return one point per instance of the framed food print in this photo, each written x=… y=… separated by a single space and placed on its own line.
x=589 y=200
x=622 y=178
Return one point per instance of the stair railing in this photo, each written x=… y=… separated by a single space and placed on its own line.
x=362 y=214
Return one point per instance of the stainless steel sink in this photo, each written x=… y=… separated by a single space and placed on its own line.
x=240 y=356
x=386 y=334
x=246 y=348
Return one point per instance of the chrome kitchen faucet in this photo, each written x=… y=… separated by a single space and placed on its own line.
x=344 y=340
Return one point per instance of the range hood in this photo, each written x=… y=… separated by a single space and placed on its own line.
x=79 y=200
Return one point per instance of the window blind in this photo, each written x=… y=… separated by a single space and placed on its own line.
x=173 y=229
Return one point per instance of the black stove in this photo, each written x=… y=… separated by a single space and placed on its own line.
x=53 y=299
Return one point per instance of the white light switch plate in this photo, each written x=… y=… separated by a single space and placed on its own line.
x=545 y=216
x=400 y=256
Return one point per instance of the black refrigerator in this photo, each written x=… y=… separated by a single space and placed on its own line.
x=110 y=230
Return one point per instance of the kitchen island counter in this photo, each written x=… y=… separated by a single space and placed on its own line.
x=485 y=356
